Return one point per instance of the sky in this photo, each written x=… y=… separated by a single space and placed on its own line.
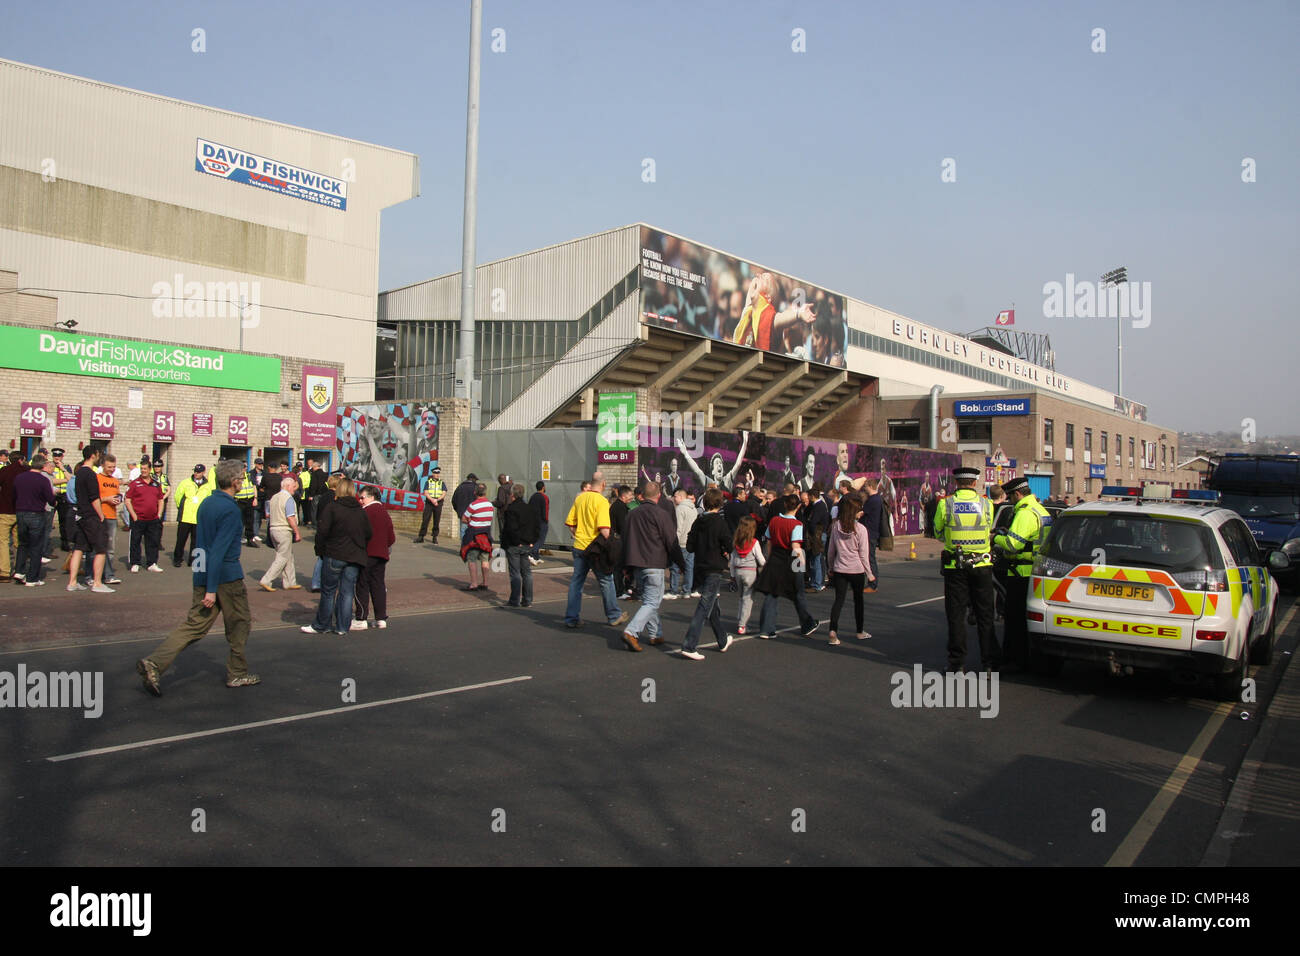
x=827 y=163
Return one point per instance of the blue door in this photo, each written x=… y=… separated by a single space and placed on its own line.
x=1040 y=485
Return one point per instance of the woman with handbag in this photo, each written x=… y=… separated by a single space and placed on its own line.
x=849 y=554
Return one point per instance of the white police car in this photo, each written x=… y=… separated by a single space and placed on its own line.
x=1158 y=578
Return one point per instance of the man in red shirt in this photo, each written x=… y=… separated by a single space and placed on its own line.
x=144 y=501
x=370 y=584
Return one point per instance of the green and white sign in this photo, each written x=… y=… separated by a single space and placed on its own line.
x=38 y=350
x=616 y=428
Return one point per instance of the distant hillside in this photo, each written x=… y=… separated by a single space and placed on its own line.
x=1222 y=443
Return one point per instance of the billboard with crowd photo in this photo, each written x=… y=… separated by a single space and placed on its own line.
x=392 y=447
x=692 y=288
x=909 y=477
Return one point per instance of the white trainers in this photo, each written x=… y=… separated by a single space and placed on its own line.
x=45 y=560
x=20 y=577
x=691 y=655
x=135 y=569
x=257 y=539
x=102 y=589
x=670 y=596
x=381 y=624
x=694 y=594
x=155 y=569
x=359 y=625
x=113 y=581
x=34 y=584
x=731 y=639
x=75 y=587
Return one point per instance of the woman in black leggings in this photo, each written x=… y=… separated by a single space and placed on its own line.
x=849 y=559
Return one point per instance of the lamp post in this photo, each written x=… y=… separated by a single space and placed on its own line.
x=1117 y=277
x=465 y=352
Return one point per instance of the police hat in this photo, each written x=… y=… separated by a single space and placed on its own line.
x=966 y=473
x=437 y=468
x=1015 y=484
x=198 y=468
x=158 y=464
x=471 y=477
x=56 y=451
x=258 y=461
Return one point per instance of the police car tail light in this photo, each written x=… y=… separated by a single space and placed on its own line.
x=1202 y=580
x=1211 y=635
x=1034 y=616
x=1052 y=568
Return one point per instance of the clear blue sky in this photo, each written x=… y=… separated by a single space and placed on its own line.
x=823 y=164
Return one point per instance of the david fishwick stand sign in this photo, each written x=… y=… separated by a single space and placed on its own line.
x=40 y=351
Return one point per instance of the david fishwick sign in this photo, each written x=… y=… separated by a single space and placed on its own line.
x=39 y=351
x=240 y=166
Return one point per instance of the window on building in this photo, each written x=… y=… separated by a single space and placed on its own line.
x=1087 y=439
x=1069 y=484
x=975 y=429
x=1104 y=449
x=1132 y=449
x=1069 y=435
x=1048 y=431
x=905 y=431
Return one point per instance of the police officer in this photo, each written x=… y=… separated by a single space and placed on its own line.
x=1019 y=545
x=435 y=492
x=963 y=521
x=60 y=476
x=246 y=498
x=161 y=477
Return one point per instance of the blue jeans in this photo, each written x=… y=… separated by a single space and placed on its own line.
x=573 y=610
x=708 y=609
x=536 y=551
x=315 y=574
x=521 y=574
x=681 y=583
x=33 y=533
x=767 y=617
x=651 y=583
x=817 y=571
x=338 y=587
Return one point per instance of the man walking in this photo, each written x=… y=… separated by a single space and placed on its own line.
x=519 y=531
x=371 y=588
x=650 y=545
x=281 y=533
x=588 y=522
x=435 y=493
x=218 y=587
x=258 y=476
x=710 y=542
x=144 y=499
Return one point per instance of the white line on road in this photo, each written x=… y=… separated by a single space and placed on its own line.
x=915 y=603
x=281 y=720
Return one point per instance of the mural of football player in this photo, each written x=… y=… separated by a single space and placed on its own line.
x=887 y=496
x=717 y=467
x=809 y=467
x=842 y=464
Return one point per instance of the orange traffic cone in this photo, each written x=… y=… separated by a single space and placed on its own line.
x=911 y=553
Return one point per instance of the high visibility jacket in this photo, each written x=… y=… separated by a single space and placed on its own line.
x=60 y=477
x=964 y=521
x=246 y=491
x=162 y=483
x=1023 y=539
x=193 y=495
x=436 y=488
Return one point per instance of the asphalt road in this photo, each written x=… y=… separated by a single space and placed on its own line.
x=778 y=752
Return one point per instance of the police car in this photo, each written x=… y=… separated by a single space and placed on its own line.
x=1157 y=578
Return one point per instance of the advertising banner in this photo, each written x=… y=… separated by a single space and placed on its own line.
x=102 y=422
x=238 y=166
x=1096 y=471
x=909 y=478
x=203 y=424
x=319 y=414
x=990 y=407
x=164 y=426
x=393 y=448
x=1132 y=409
x=237 y=431
x=279 y=433
x=616 y=427
x=69 y=416
x=31 y=420
x=691 y=288
x=37 y=350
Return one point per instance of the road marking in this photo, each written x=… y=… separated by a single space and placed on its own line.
x=915 y=603
x=138 y=745
x=1140 y=835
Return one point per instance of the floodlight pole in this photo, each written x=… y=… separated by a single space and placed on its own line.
x=465 y=351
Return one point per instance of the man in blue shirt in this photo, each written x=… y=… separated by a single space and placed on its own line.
x=218 y=587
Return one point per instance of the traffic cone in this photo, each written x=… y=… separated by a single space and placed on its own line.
x=911 y=553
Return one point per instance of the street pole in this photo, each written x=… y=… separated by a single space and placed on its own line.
x=465 y=352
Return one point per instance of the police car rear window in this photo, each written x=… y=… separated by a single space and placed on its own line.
x=1138 y=541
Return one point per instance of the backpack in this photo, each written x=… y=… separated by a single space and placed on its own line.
x=70 y=490
x=886 y=540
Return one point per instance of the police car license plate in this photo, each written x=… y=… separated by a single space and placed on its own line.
x=1119 y=589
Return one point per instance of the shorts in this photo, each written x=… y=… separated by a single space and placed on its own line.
x=91 y=536
x=474 y=554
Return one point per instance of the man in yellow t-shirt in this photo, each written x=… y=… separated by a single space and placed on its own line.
x=588 y=520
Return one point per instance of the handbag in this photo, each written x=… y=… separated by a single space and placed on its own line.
x=886 y=542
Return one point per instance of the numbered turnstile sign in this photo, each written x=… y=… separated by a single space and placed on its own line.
x=238 y=432
x=280 y=432
x=164 y=426
x=31 y=420
x=102 y=423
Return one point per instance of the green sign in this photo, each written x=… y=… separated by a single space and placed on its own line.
x=39 y=350
x=616 y=428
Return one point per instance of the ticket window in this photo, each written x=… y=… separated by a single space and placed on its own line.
x=161 y=451
x=30 y=446
x=320 y=455
x=237 y=453
x=274 y=457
